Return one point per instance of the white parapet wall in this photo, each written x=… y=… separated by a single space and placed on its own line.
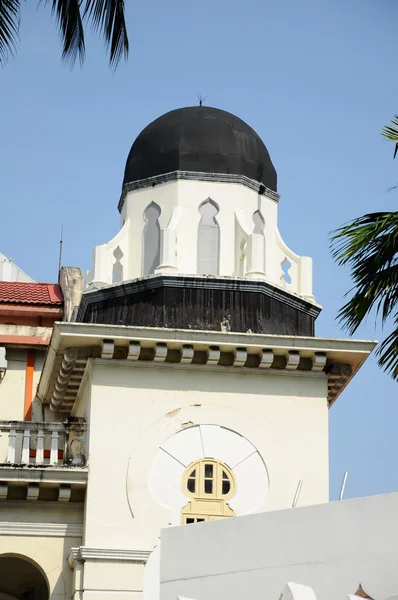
x=296 y=591
x=331 y=552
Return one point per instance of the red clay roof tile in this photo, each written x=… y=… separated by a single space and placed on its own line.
x=19 y=292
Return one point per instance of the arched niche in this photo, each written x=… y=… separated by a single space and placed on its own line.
x=117 y=269
x=151 y=239
x=22 y=579
x=208 y=260
x=242 y=258
x=259 y=223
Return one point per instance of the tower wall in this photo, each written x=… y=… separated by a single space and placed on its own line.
x=133 y=411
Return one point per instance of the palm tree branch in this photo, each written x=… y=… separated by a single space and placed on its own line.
x=369 y=246
x=391 y=132
x=67 y=13
x=388 y=351
x=9 y=28
x=108 y=17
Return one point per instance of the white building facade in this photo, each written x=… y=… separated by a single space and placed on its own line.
x=188 y=384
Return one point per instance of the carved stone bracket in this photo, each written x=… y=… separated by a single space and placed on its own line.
x=75 y=428
x=338 y=375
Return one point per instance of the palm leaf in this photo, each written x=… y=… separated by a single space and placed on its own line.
x=9 y=28
x=67 y=13
x=108 y=17
x=369 y=246
x=391 y=132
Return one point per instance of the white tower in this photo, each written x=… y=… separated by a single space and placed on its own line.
x=193 y=359
x=199 y=197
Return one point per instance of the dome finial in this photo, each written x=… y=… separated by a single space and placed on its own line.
x=201 y=99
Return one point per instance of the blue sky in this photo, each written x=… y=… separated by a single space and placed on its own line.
x=316 y=79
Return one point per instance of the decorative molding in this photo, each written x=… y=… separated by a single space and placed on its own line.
x=160 y=352
x=33 y=426
x=187 y=353
x=64 y=493
x=41 y=529
x=62 y=382
x=301 y=360
x=338 y=377
x=3 y=490
x=33 y=491
x=197 y=176
x=204 y=350
x=240 y=357
x=108 y=348
x=213 y=355
x=292 y=360
x=68 y=381
x=84 y=553
x=266 y=359
x=318 y=361
x=134 y=351
x=54 y=475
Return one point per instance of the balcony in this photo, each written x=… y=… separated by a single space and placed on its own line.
x=43 y=460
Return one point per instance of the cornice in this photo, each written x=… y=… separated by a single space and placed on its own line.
x=94 y=331
x=41 y=529
x=227 y=352
x=83 y=554
x=40 y=474
x=197 y=176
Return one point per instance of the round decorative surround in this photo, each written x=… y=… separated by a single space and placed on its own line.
x=208 y=441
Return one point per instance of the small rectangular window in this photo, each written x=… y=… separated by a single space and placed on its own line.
x=190 y=521
x=208 y=486
x=209 y=471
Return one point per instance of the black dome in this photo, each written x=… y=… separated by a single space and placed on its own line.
x=201 y=139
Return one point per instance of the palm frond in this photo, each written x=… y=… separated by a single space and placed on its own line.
x=369 y=246
x=391 y=132
x=107 y=16
x=9 y=28
x=388 y=351
x=67 y=13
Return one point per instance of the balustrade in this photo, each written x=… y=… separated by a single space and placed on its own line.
x=42 y=444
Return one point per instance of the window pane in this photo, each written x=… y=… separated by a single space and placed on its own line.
x=199 y=520
x=208 y=470
x=191 y=486
x=226 y=486
x=208 y=486
x=190 y=520
x=193 y=474
x=224 y=475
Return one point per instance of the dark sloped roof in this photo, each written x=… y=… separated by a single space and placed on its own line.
x=200 y=139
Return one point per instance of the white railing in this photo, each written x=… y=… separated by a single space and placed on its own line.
x=42 y=443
